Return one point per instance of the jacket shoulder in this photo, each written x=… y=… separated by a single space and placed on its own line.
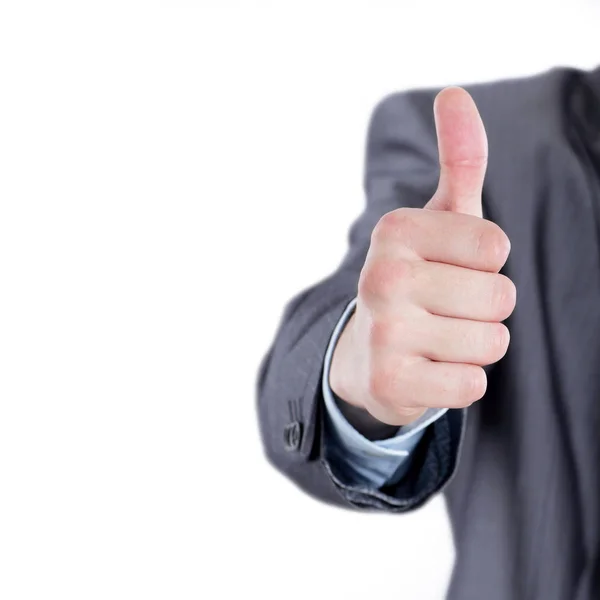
x=520 y=104
x=520 y=115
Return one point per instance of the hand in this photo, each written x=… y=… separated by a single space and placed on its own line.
x=430 y=298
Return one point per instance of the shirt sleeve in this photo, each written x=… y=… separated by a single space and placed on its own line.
x=364 y=462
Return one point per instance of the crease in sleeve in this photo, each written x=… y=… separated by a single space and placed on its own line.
x=359 y=460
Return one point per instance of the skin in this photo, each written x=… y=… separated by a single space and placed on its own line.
x=430 y=300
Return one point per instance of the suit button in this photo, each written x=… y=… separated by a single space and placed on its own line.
x=292 y=436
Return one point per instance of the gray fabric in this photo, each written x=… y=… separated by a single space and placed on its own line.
x=521 y=468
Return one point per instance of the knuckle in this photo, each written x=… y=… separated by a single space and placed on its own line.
x=383 y=229
x=380 y=334
x=402 y=218
x=368 y=282
x=383 y=277
x=473 y=385
x=493 y=244
x=504 y=296
x=498 y=340
x=393 y=224
x=469 y=386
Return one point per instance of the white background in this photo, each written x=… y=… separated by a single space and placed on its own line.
x=171 y=173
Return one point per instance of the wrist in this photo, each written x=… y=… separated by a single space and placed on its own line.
x=341 y=369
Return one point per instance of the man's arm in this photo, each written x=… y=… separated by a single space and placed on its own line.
x=402 y=171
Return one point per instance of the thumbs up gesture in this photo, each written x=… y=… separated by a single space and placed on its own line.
x=430 y=296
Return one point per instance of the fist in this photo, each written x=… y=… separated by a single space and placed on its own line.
x=430 y=301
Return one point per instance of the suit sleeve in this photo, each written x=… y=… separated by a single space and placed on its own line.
x=401 y=170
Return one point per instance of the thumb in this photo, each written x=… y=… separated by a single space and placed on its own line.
x=463 y=151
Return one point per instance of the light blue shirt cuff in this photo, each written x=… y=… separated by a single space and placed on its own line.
x=365 y=462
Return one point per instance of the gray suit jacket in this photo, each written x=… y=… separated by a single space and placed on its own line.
x=521 y=468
